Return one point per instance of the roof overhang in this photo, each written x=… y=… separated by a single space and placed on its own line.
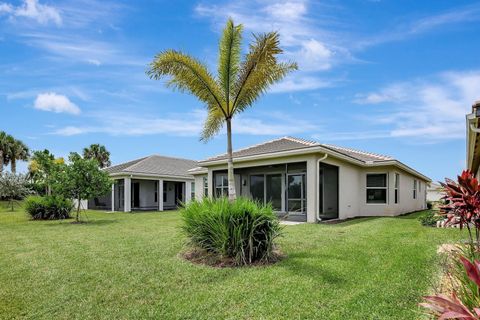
x=473 y=138
x=143 y=175
x=313 y=150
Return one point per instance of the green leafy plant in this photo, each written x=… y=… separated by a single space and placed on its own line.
x=13 y=187
x=239 y=84
x=451 y=307
x=81 y=179
x=243 y=230
x=430 y=219
x=48 y=207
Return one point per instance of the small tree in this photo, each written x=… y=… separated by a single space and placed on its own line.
x=13 y=187
x=81 y=179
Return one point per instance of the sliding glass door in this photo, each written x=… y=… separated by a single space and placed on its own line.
x=296 y=193
x=267 y=188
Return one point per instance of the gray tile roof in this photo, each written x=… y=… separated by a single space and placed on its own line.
x=156 y=165
x=290 y=143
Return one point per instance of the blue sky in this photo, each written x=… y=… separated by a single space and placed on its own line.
x=391 y=77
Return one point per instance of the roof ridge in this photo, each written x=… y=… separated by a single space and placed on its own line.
x=123 y=163
x=168 y=157
x=309 y=143
x=249 y=147
x=375 y=155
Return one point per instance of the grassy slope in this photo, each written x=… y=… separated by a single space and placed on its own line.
x=126 y=266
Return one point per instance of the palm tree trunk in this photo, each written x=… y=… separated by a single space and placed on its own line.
x=231 y=179
x=78 y=210
x=13 y=163
x=1 y=161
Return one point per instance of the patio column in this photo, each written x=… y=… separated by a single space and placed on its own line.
x=127 y=206
x=312 y=189
x=188 y=191
x=113 y=197
x=160 y=195
x=210 y=183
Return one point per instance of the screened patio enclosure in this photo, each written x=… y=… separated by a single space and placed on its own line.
x=141 y=195
x=284 y=187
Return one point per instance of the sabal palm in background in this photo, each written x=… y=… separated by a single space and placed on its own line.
x=238 y=85
x=12 y=150
x=98 y=152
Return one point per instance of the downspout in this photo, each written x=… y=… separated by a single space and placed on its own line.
x=318 y=193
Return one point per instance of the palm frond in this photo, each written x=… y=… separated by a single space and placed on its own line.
x=187 y=74
x=260 y=70
x=229 y=58
x=213 y=124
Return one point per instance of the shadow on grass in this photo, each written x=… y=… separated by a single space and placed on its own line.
x=304 y=264
x=72 y=222
x=353 y=221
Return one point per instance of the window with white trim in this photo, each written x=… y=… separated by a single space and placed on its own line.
x=205 y=186
x=377 y=188
x=397 y=187
x=192 y=195
x=221 y=185
x=414 y=189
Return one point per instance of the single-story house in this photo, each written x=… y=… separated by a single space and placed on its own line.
x=473 y=139
x=149 y=183
x=308 y=181
x=435 y=192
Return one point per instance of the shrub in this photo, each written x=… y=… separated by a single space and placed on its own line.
x=243 y=231
x=430 y=219
x=48 y=207
x=429 y=205
x=454 y=307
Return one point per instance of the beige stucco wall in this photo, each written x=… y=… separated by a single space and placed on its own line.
x=352 y=186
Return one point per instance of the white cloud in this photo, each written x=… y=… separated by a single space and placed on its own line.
x=433 y=108
x=32 y=9
x=185 y=124
x=314 y=48
x=293 y=84
x=54 y=102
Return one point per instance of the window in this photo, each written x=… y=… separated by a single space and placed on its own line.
x=414 y=189
x=221 y=185
x=164 y=192
x=377 y=188
x=192 y=196
x=205 y=186
x=156 y=191
x=397 y=187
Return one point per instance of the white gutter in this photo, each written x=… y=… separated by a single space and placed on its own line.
x=318 y=191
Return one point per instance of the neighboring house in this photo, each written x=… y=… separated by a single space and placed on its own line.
x=309 y=181
x=150 y=183
x=435 y=192
x=473 y=139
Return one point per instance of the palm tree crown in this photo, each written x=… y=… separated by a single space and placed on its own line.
x=238 y=85
x=3 y=149
x=98 y=152
x=16 y=150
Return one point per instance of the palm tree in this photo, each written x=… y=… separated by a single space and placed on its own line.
x=98 y=152
x=17 y=150
x=238 y=84
x=3 y=149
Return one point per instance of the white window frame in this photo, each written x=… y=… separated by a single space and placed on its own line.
x=396 y=188
x=223 y=187
x=205 y=186
x=192 y=190
x=367 y=187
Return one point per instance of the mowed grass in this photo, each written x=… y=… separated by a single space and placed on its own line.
x=126 y=266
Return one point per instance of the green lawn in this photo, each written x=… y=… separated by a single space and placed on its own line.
x=121 y=266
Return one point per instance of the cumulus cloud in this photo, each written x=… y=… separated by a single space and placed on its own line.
x=54 y=102
x=33 y=9
x=433 y=107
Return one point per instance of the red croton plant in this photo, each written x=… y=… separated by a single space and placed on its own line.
x=462 y=208
x=445 y=307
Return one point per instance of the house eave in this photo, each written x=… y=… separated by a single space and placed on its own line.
x=143 y=175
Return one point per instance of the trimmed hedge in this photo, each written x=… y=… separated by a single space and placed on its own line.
x=242 y=231
x=48 y=207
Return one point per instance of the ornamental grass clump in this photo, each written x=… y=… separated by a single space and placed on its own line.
x=241 y=232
